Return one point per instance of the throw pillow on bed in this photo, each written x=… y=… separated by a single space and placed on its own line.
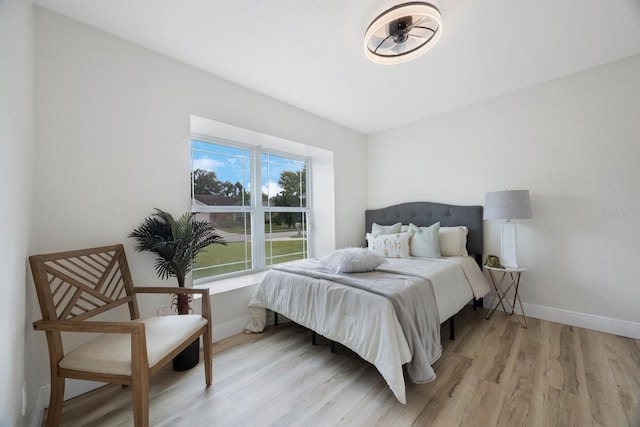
x=377 y=229
x=453 y=241
x=425 y=241
x=390 y=245
x=352 y=260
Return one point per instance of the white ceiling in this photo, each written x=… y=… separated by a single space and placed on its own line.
x=309 y=53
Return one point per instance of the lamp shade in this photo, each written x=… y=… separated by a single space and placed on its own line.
x=508 y=204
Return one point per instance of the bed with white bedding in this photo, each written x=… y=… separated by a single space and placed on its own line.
x=390 y=315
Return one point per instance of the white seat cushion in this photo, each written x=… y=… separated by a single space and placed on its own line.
x=111 y=353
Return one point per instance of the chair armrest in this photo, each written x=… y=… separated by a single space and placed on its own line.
x=206 y=303
x=132 y=328
x=168 y=290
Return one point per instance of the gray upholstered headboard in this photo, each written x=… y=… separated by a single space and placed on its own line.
x=423 y=214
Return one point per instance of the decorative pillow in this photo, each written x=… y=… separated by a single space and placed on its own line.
x=425 y=241
x=352 y=260
x=377 y=229
x=453 y=241
x=390 y=245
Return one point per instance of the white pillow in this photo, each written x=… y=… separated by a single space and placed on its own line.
x=377 y=229
x=453 y=241
x=425 y=241
x=352 y=260
x=390 y=245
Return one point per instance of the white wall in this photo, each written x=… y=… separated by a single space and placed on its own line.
x=574 y=143
x=113 y=129
x=16 y=150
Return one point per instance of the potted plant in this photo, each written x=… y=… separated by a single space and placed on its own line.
x=177 y=243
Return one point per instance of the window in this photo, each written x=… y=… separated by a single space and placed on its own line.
x=261 y=228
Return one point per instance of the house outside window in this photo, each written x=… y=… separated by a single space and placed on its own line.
x=262 y=228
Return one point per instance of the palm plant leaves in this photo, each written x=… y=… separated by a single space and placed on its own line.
x=176 y=242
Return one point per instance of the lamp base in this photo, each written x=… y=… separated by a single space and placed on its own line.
x=508 y=253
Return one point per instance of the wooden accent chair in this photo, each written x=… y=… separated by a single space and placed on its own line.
x=75 y=286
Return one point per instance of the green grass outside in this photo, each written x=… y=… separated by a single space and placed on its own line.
x=235 y=252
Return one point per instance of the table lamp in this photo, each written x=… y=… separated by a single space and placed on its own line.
x=508 y=205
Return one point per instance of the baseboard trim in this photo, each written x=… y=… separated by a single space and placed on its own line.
x=583 y=320
x=229 y=329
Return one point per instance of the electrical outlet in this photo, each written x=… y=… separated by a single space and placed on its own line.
x=164 y=311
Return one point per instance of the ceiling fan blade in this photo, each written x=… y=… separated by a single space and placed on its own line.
x=377 y=44
x=415 y=24
x=425 y=37
x=422 y=28
x=407 y=46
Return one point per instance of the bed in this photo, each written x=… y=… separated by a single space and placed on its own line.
x=391 y=314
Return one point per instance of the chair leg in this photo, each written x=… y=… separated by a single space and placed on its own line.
x=208 y=359
x=140 y=395
x=55 y=401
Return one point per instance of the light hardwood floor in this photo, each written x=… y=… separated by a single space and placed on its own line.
x=495 y=373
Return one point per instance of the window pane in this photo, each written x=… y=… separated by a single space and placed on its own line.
x=284 y=242
x=220 y=175
x=235 y=228
x=283 y=181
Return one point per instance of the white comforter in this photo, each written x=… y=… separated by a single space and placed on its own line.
x=450 y=287
x=366 y=322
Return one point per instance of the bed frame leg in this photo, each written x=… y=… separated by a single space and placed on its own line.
x=478 y=303
x=313 y=338
x=275 y=318
x=452 y=332
x=333 y=346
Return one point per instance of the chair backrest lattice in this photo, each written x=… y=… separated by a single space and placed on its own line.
x=77 y=285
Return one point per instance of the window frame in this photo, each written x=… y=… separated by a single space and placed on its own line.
x=255 y=208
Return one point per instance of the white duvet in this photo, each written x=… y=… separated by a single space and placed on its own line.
x=363 y=321
x=454 y=287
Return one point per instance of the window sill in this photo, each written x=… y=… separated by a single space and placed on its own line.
x=232 y=283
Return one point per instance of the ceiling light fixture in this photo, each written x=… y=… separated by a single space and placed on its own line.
x=403 y=33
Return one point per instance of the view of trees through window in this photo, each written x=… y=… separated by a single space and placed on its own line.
x=222 y=180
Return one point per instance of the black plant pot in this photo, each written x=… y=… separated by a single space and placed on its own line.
x=187 y=358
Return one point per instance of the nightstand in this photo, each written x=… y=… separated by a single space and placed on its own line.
x=512 y=275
